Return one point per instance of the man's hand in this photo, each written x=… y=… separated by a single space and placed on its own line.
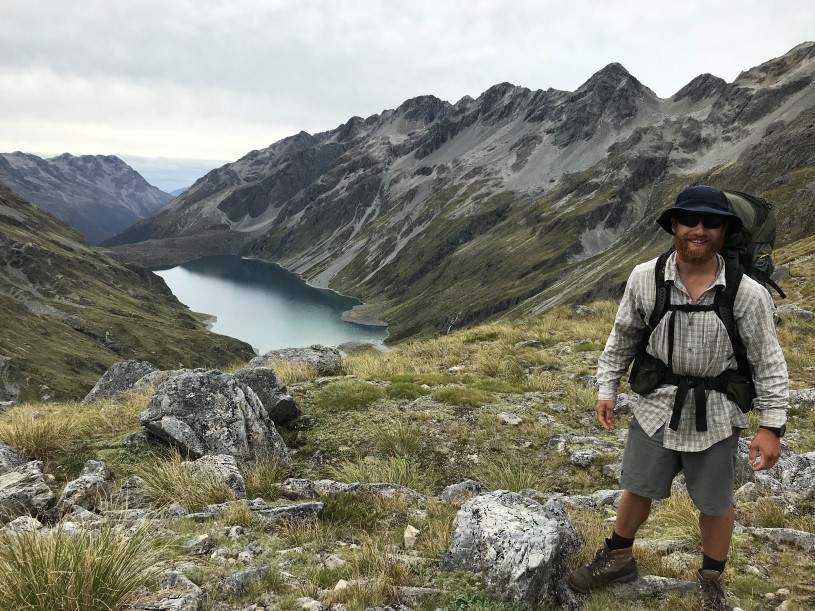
x=605 y=414
x=767 y=446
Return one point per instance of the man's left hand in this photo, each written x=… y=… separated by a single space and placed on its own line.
x=767 y=446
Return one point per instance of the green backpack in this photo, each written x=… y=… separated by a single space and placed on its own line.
x=753 y=245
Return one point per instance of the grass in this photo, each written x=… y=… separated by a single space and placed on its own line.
x=348 y=395
x=65 y=571
x=463 y=395
x=172 y=481
x=510 y=473
x=293 y=373
x=261 y=479
x=394 y=469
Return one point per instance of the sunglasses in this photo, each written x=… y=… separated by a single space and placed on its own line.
x=689 y=219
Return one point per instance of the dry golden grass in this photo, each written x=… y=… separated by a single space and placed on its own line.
x=172 y=481
x=293 y=373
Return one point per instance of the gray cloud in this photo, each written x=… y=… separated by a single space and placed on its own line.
x=214 y=80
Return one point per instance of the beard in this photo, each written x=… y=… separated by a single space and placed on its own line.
x=697 y=254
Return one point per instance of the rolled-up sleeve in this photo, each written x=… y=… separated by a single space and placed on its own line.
x=754 y=319
x=621 y=346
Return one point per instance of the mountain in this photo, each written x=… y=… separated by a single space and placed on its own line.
x=442 y=215
x=98 y=195
x=177 y=192
x=69 y=312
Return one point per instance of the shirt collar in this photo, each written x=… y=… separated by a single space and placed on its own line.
x=672 y=273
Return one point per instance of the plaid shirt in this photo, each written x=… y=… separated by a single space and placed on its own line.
x=701 y=348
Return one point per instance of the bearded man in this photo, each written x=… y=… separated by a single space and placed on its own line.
x=670 y=431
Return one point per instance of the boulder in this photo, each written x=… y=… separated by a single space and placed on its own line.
x=23 y=491
x=119 y=378
x=88 y=489
x=208 y=412
x=10 y=458
x=804 y=397
x=326 y=360
x=222 y=465
x=271 y=514
x=8 y=389
x=271 y=391
x=518 y=544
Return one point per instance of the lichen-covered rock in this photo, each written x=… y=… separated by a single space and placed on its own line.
x=88 y=490
x=23 y=524
x=271 y=391
x=23 y=491
x=224 y=466
x=209 y=412
x=517 y=543
x=462 y=491
x=10 y=458
x=324 y=359
x=270 y=514
x=118 y=378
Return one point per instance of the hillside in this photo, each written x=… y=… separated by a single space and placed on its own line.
x=69 y=312
x=363 y=514
x=443 y=215
x=97 y=195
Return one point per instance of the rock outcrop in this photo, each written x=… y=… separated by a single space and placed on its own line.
x=23 y=491
x=324 y=359
x=118 y=378
x=279 y=404
x=208 y=412
x=517 y=543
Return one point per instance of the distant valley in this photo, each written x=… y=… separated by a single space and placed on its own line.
x=98 y=195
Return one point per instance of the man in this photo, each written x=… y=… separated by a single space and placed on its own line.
x=665 y=437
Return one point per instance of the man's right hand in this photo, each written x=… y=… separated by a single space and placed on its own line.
x=605 y=414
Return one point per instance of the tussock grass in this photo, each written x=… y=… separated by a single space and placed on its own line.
x=313 y=533
x=436 y=530
x=405 y=391
x=39 y=430
x=393 y=470
x=293 y=373
x=399 y=439
x=507 y=472
x=347 y=395
x=261 y=479
x=171 y=481
x=677 y=517
x=239 y=514
x=62 y=571
x=463 y=395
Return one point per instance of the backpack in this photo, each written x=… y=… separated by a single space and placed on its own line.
x=747 y=251
x=753 y=245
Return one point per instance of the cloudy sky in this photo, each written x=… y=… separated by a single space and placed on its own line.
x=176 y=87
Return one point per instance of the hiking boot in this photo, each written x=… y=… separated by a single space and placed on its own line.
x=710 y=588
x=608 y=566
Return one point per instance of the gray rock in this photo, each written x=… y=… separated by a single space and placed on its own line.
x=581 y=311
x=793 y=310
x=136 y=441
x=154 y=378
x=23 y=491
x=6 y=406
x=558 y=443
x=198 y=545
x=651 y=586
x=607 y=497
x=510 y=419
x=272 y=514
x=414 y=595
x=207 y=412
x=613 y=471
x=528 y=343
x=9 y=391
x=224 y=466
x=518 y=544
x=789 y=536
x=462 y=491
x=88 y=490
x=119 y=378
x=10 y=458
x=663 y=546
x=187 y=601
x=271 y=391
x=325 y=360
x=804 y=397
x=22 y=524
x=296 y=489
x=583 y=458
x=238 y=583
x=625 y=403
x=175 y=580
x=131 y=493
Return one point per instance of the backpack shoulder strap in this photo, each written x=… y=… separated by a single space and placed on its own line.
x=724 y=303
x=662 y=299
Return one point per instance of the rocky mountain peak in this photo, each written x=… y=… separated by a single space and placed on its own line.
x=424 y=109
x=607 y=80
x=703 y=86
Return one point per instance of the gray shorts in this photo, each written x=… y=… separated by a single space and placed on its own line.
x=649 y=469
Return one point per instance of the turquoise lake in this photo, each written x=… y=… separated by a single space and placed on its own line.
x=264 y=305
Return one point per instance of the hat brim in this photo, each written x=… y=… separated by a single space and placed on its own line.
x=733 y=221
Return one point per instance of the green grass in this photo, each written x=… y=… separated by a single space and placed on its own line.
x=394 y=470
x=462 y=395
x=62 y=571
x=345 y=396
x=171 y=481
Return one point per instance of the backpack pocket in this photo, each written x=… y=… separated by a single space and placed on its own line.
x=741 y=391
x=648 y=376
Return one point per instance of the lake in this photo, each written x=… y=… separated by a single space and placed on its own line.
x=265 y=305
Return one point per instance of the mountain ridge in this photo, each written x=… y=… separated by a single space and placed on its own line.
x=446 y=214
x=99 y=195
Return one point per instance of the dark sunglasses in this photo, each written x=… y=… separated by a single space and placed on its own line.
x=689 y=219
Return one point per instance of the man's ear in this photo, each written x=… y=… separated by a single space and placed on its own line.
x=673 y=225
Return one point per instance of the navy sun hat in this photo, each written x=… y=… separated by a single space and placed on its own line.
x=701 y=199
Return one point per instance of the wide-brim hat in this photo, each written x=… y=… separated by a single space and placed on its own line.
x=701 y=200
